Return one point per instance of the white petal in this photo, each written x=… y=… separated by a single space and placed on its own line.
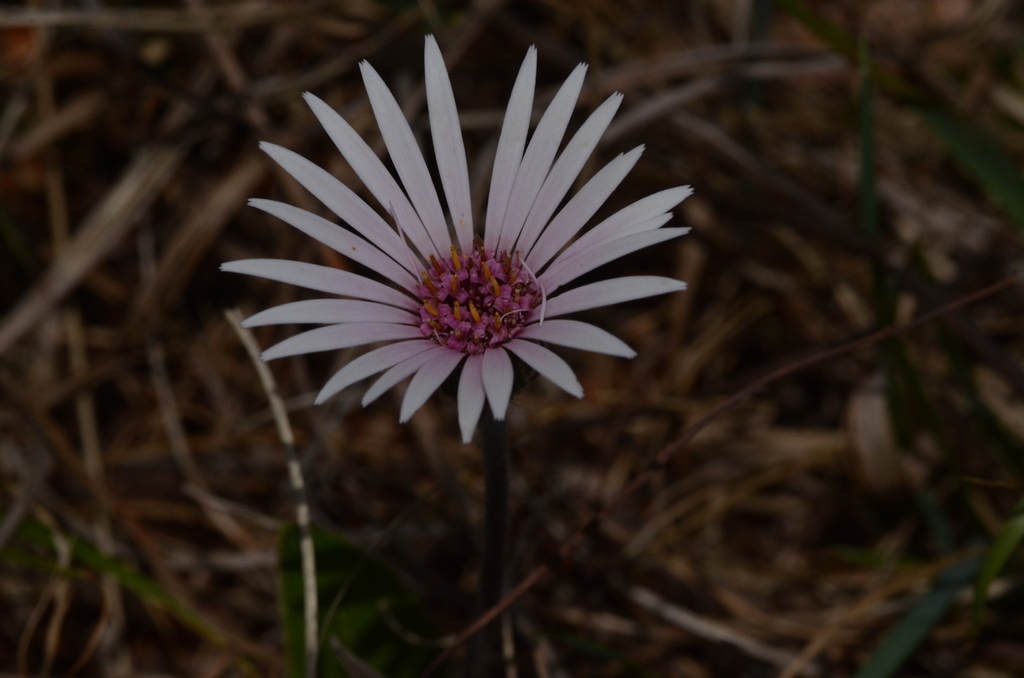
x=331 y=312
x=565 y=269
x=574 y=334
x=373 y=173
x=339 y=240
x=565 y=171
x=628 y=219
x=498 y=377
x=511 y=143
x=539 y=154
x=635 y=218
x=400 y=372
x=448 y=147
x=333 y=337
x=427 y=380
x=471 y=396
x=547 y=364
x=407 y=157
x=341 y=200
x=322 y=279
x=580 y=208
x=590 y=245
x=371 y=363
x=607 y=292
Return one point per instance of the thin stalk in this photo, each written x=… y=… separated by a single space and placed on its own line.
x=495 y=446
x=302 y=513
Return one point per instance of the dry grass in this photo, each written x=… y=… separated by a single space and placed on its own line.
x=787 y=539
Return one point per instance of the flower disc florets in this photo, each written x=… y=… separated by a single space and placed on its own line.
x=477 y=300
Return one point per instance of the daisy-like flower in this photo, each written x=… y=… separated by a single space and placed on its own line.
x=453 y=298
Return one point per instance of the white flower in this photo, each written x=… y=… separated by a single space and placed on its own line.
x=454 y=297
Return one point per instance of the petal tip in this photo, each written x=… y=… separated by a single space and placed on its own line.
x=326 y=394
x=404 y=416
x=314 y=102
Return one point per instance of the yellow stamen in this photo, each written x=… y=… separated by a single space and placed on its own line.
x=494 y=285
x=497 y=321
x=457 y=312
x=426 y=281
x=455 y=259
x=487 y=271
x=430 y=309
x=473 y=312
x=512 y=277
x=436 y=325
x=436 y=263
x=455 y=285
x=508 y=265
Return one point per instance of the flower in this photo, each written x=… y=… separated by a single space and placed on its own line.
x=456 y=298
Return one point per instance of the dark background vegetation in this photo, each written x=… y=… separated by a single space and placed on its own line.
x=143 y=482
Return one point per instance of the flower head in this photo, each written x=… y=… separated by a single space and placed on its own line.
x=454 y=298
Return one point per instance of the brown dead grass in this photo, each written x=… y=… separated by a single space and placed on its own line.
x=789 y=528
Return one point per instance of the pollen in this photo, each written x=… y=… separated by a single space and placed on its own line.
x=474 y=310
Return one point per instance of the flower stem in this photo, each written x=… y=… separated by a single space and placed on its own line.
x=495 y=444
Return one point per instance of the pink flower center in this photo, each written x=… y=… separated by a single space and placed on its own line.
x=476 y=301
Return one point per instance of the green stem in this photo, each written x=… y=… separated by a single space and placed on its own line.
x=494 y=442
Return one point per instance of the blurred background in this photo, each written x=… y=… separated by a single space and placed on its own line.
x=855 y=164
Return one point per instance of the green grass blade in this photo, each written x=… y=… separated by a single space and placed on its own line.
x=867 y=183
x=977 y=154
x=842 y=42
x=910 y=632
x=89 y=557
x=827 y=31
x=980 y=156
x=378 y=619
x=1006 y=542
